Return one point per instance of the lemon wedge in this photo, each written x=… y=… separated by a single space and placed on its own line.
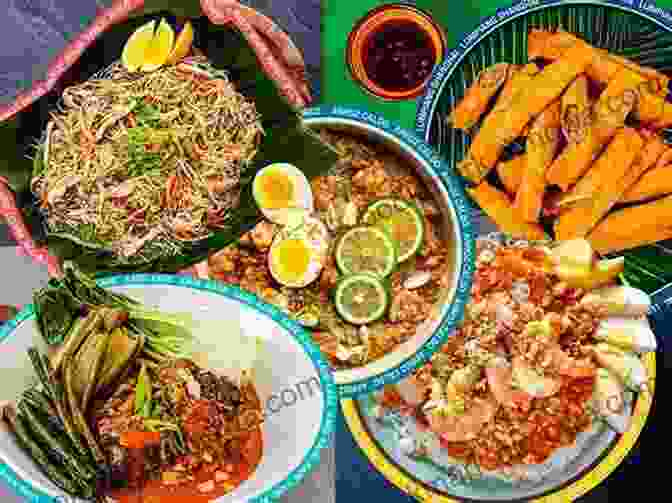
x=605 y=271
x=576 y=254
x=160 y=47
x=133 y=55
x=182 y=45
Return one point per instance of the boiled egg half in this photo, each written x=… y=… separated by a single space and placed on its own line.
x=280 y=189
x=298 y=253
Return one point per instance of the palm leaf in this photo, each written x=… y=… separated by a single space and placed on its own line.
x=285 y=139
x=617 y=31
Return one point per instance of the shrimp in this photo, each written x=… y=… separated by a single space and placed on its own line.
x=467 y=425
x=500 y=381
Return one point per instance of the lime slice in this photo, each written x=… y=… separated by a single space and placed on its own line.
x=361 y=299
x=366 y=250
x=402 y=220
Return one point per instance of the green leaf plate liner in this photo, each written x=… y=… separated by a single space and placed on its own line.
x=285 y=138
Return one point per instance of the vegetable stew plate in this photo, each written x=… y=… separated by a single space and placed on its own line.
x=639 y=31
x=291 y=377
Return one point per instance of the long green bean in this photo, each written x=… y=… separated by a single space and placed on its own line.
x=55 y=391
x=55 y=473
x=57 y=446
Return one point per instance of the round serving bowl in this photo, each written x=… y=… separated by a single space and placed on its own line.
x=452 y=202
x=291 y=377
x=376 y=23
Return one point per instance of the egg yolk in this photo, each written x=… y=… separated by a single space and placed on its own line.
x=277 y=190
x=293 y=257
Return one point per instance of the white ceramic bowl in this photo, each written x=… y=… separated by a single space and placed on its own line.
x=292 y=379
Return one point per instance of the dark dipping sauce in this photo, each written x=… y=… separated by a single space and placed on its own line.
x=399 y=56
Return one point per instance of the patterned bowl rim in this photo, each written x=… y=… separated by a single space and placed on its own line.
x=573 y=488
x=454 y=58
x=437 y=169
x=426 y=108
x=329 y=389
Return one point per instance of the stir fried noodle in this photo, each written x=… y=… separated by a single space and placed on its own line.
x=130 y=162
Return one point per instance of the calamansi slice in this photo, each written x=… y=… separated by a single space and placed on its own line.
x=133 y=55
x=182 y=44
x=156 y=54
x=402 y=220
x=366 y=250
x=361 y=299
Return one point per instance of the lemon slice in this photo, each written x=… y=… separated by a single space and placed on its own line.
x=133 y=55
x=160 y=47
x=182 y=44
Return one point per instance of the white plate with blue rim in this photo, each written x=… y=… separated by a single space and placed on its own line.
x=291 y=377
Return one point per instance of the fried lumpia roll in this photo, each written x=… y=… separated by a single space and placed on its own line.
x=511 y=172
x=498 y=207
x=655 y=151
x=501 y=127
x=477 y=98
x=654 y=183
x=542 y=145
x=552 y=45
x=633 y=227
x=600 y=188
x=609 y=116
x=651 y=108
x=520 y=77
x=576 y=110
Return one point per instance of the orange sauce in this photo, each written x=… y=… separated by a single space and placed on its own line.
x=155 y=491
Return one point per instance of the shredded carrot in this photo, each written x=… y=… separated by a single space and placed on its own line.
x=139 y=439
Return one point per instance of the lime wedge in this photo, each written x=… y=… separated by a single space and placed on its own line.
x=402 y=220
x=361 y=299
x=366 y=250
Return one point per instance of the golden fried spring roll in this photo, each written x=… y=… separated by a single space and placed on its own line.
x=633 y=227
x=665 y=158
x=654 y=183
x=500 y=128
x=653 y=152
x=542 y=145
x=607 y=166
x=608 y=117
x=477 y=98
x=498 y=207
x=604 y=66
x=601 y=187
x=511 y=172
x=520 y=77
x=651 y=108
x=576 y=109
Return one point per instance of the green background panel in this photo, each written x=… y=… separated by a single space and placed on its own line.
x=457 y=17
